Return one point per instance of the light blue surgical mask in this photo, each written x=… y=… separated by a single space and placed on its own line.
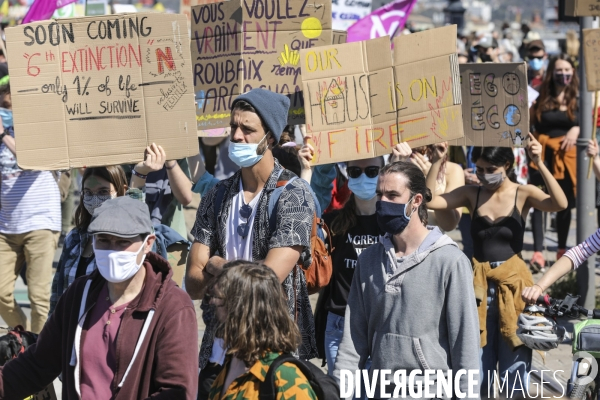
x=244 y=154
x=363 y=187
x=7 y=117
x=536 y=64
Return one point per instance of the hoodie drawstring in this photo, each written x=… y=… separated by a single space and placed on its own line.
x=139 y=344
x=75 y=353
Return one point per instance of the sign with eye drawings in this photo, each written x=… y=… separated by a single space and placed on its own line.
x=239 y=45
x=495 y=106
x=98 y=90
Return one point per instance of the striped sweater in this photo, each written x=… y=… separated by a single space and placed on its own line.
x=583 y=251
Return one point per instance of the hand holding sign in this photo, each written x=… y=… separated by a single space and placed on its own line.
x=534 y=149
x=592 y=149
x=420 y=161
x=154 y=160
x=306 y=154
x=401 y=152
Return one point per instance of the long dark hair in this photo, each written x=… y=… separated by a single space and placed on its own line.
x=498 y=157
x=346 y=218
x=549 y=92
x=113 y=174
x=258 y=319
x=417 y=183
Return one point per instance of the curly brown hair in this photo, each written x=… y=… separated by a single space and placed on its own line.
x=258 y=320
x=549 y=92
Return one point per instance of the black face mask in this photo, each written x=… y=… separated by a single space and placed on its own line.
x=391 y=217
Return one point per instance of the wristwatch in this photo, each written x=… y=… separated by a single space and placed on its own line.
x=3 y=134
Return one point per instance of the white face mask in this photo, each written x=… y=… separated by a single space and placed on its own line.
x=118 y=266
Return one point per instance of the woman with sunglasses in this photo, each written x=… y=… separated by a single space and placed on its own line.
x=450 y=177
x=353 y=229
x=554 y=117
x=497 y=208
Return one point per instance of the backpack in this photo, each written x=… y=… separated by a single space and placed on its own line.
x=324 y=386
x=318 y=274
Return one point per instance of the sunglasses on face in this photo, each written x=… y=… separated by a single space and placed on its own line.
x=535 y=57
x=370 y=172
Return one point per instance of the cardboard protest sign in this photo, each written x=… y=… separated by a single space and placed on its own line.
x=185 y=6
x=495 y=104
x=591 y=53
x=427 y=88
x=350 y=107
x=360 y=103
x=96 y=91
x=238 y=45
x=582 y=8
x=339 y=37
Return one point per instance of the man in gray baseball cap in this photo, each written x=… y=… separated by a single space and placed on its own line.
x=125 y=330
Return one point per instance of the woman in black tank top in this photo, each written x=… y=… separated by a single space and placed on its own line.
x=497 y=229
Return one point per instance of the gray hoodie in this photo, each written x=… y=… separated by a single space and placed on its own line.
x=418 y=314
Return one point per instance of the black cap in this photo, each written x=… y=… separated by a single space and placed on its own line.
x=123 y=217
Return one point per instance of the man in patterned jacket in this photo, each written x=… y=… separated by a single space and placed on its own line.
x=233 y=223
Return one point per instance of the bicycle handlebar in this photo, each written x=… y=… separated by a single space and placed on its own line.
x=568 y=306
x=545 y=300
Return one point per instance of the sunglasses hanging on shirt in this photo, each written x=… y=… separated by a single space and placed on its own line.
x=243 y=228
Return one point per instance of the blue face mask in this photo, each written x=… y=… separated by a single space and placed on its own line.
x=363 y=187
x=536 y=64
x=391 y=217
x=244 y=154
x=7 y=117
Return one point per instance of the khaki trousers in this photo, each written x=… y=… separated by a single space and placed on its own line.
x=37 y=248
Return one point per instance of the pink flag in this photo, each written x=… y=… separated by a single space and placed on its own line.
x=388 y=20
x=43 y=9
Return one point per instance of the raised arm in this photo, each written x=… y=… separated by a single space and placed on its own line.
x=154 y=160
x=555 y=199
x=455 y=178
x=180 y=183
x=457 y=198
